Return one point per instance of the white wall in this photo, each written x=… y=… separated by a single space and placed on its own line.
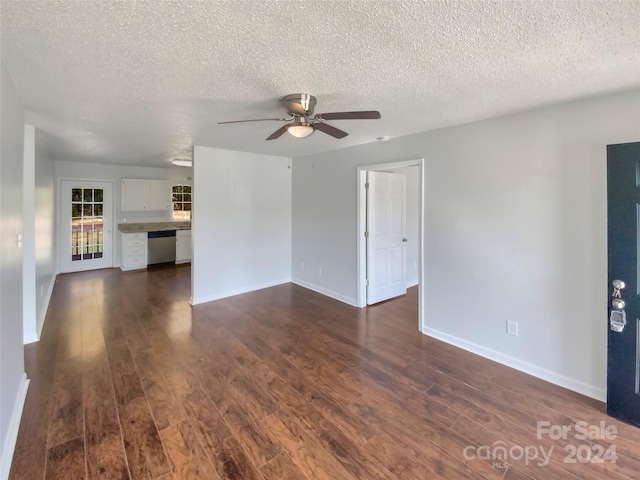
x=115 y=173
x=38 y=265
x=45 y=233
x=515 y=229
x=241 y=229
x=29 y=236
x=12 y=378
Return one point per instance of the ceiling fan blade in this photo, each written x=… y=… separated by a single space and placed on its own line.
x=278 y=133
x=259 y=120
x=364 y=115
x=329 y=130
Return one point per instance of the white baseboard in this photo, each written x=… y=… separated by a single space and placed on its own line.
x=238 y=291
x=34 y=336
x=329 y=293
x=9 y=444
x=412 y=283
x=526 y=367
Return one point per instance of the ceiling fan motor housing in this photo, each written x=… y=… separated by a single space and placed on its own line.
x=299 y=104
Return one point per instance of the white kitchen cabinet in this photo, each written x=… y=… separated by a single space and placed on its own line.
x=183 y=246
x=145 y=195
x=159 y=195
x=135 y=195
x=133 y=251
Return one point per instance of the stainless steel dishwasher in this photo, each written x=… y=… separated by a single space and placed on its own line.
x=161 y=247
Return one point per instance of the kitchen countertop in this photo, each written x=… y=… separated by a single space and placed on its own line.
x=153 y=226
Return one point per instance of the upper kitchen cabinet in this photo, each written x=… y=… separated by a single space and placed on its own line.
x=159 y=195
x=135 y=195
x=145 y=195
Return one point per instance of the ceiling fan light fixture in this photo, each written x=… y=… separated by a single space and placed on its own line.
x=182 y=163
x=300 y=131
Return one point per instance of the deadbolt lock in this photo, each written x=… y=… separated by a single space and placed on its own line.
x=617 y=286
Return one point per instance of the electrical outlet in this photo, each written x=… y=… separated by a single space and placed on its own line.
x=320 y=271
x=512 y=328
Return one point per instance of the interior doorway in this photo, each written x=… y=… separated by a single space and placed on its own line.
x=413 y=263
x=386 y=235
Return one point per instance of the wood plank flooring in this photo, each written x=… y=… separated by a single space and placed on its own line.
x=130 y=382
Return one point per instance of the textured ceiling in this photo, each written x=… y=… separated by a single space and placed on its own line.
x=140 y=82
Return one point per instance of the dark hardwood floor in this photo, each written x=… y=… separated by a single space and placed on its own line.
x=129 y=381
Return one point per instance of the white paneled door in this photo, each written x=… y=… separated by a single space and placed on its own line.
x=86 y=225
x=386 y=236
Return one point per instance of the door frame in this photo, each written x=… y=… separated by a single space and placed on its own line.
x=58 y=218
x=362 y=223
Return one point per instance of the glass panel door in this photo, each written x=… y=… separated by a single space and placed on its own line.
x=87 y=225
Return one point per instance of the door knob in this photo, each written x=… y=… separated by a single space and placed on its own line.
x=617 y=303
x=405 y=240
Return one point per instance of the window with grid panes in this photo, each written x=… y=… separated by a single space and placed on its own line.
x=181 y=198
